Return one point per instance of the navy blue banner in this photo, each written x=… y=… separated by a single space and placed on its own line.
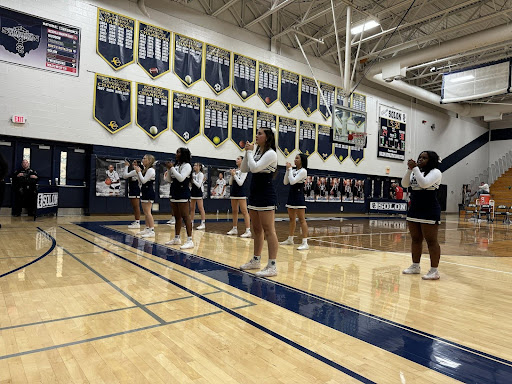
x=112 y=102
x=287 y=133
x=356 y=155
x=153 y=52
x=188 y=59
x=328 y=91
x=242 y=126
x=47 y=200
x=339 y=96
x=186 y=115
x=308 y=95
x=324 y=141
x=216 y=120
x=244 y=76
x=268 y=82
x=152 y=109
x=340 y=151
x=358 y=101
x=307 y=137
x=217 y=67
x=115 y=38
x=266 y=120
x=289 y=89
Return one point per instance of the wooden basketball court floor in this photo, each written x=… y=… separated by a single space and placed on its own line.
x=82 y=300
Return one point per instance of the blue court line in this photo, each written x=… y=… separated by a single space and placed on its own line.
x=442 y=355
x=35 y=260
x=239 y=316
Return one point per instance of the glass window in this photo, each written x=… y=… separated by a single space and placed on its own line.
x=63 y=166
x=26 y=154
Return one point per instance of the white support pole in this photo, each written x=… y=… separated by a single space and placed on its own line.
x=337 y=40
x=348 y=37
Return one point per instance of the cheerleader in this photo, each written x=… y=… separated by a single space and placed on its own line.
x=179 y=175
x=262 y=162
x=296 y=203
x=147 y=180
x=238 y=198
x=424 y=216
x=168 y=165
x=133 y=191
x=115 y=180
x=196 y=195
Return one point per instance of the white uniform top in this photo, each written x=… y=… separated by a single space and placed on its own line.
x=294 y=176
x=150 y=175
x=258 y=163
x=418 y=181
x=219 y=189
x=132 y=174
x=198 y=180
x=114 y=176
x=239 y=177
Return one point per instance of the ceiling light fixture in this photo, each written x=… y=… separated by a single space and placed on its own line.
x=370 y=24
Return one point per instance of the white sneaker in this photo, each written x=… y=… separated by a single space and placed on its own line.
x=303 y=247
x=188 y=244
x=149 y=233
x=268 y=271
x=412 y=270
x=288 y=241
x=247 y=234
x=233 y=231
x=171 y=222
x=431 y=275
x=175 y=241
x=202 y=226
x=252 y=264
x=134 y=225
x=142 y=232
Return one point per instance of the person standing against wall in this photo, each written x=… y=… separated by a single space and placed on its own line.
x=24 y=182
x=238 y=198
x=147 y=180
x=133 y=191
x=196 y=195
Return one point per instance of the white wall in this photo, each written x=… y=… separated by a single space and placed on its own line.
x=59 y=107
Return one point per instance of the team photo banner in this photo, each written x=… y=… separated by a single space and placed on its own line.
x=324 y=141
x=39 y=43
x=307 y=137
x=308 y=95
x=216 y=121
x=112 y=102
x=152 y=109
x=188 y=59
x=289 y=89
x=391 y=133
x=244 y=76
x=217 y=68
x=153 y=52
x=287 y=134
x=115 y=34
x=242 y=126
x=268 y=82
x=328 y=91
x=186 y=115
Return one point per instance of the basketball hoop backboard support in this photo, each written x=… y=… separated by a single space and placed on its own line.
x=348 y=126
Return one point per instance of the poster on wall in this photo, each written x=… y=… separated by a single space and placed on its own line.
x=357 y=101
x=391 y=133
x=309 y=189
x=347 y=194
x=308 y=95
x=307 y=137
x=289 y=89
x=115 y=35
x=109 y=177
x=358 y=189
x=266 y=120
x=217 y=68
x=154 y=48
x=334 y=186
x=268 y=81
x=216 y=120
x=152 y=109
x=112 y=102
x=328 y=91
x=188 y=59
x=164 y=187
x=39 y=43
x=186 y=115
x=242 y=126
x=219 y=183
x=340 y=151
x=321 y=189
x=324 y=142
x=286 y=135
x=244 y=76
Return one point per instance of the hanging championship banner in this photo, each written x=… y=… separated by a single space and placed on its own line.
x=39 y=43
x=216 y=119
x=328 y=94
x=152 y=109
x=308 y=95
x=339 y=96
x=324 y=141
x=188 y=59
x=112 y=102
x=266 y=120
x=153 y=52
x=357 y=101
x=287 y=133
x=340 y=151
x=244 y=76
x=186 y=115
x=289 y=89
x=217 y=67
x=307 y=136
x=115 y=38
x=268 y=78
x=391 y=133
x=242 y=126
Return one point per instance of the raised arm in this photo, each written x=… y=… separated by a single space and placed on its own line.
x=127 y=175
x=240 y=180
x=268 y=158
x=200 y=179
x=301 y=176
x=185 y=172
x=150 y=175
x=433 y=177
x=406 y=180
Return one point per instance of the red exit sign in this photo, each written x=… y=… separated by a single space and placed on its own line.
x=18 y=119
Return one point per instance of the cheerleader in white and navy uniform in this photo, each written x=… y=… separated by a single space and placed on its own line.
x=424 y=216
x=196 y=195
x=147 y=181
x=238 y=198
x=296 y=203
x=262 y=163
x=179 y=175
x=133 y=191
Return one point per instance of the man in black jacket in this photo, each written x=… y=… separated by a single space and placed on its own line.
x=24 y=181
x=3 y=174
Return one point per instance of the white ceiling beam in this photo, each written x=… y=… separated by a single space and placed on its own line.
x=224 y=7
x=273 y=9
